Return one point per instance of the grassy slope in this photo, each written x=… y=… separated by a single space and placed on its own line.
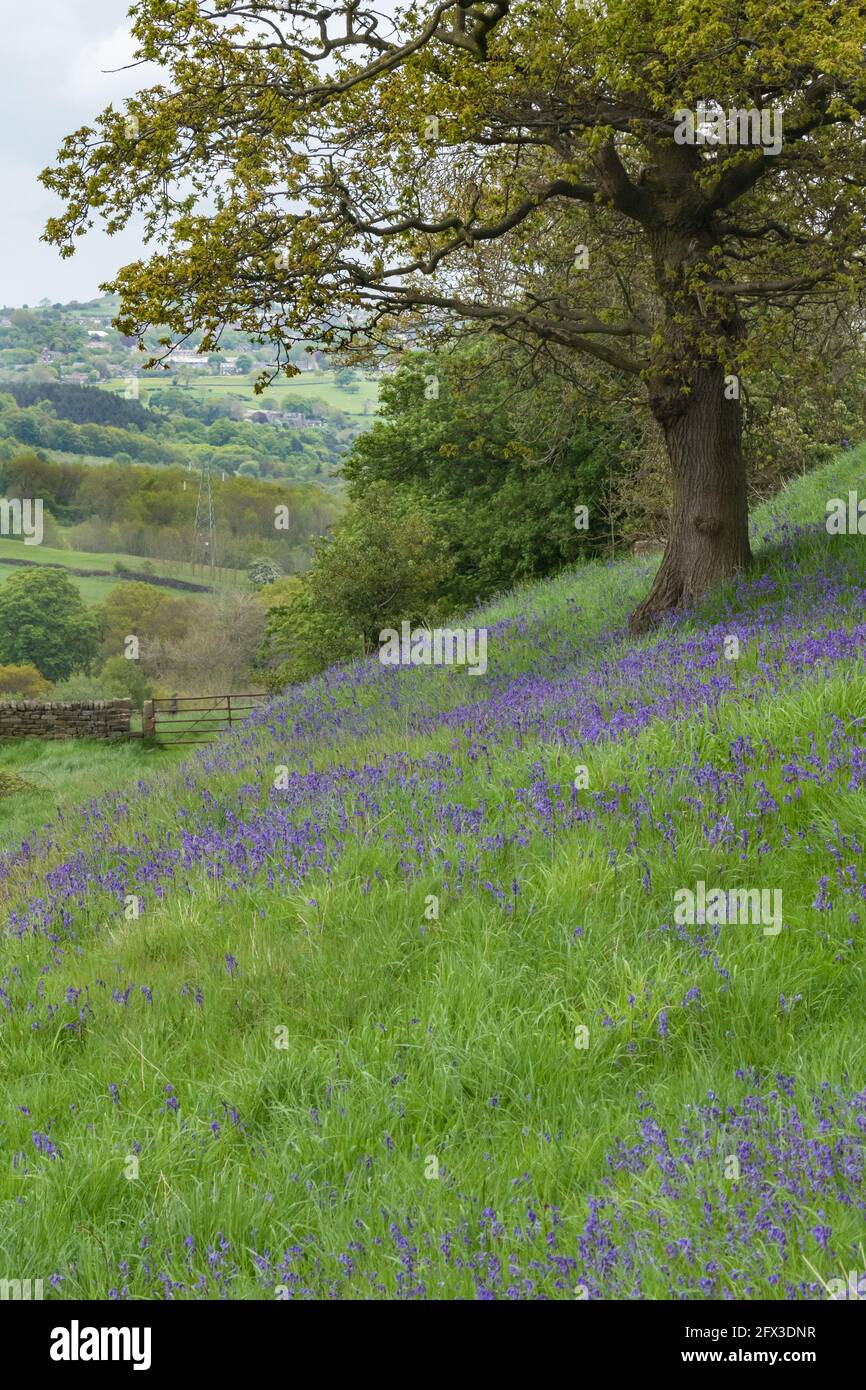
x=94 y=589
x=293 y=1041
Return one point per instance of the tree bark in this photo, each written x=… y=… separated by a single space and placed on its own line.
x=709 y=525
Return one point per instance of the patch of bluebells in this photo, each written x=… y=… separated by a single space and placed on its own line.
x=674 y=1220
x=670 y=1220
x=600 y=692
x=45 y=1146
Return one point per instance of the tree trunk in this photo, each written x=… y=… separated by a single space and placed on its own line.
x=709 y=525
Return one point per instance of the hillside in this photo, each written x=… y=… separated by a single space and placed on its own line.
x=340 y=1052
x=75 y=387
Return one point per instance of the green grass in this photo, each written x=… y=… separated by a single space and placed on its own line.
x=92 y=590
x=361 y=1036
x=62 y=776
x=95 y=588
x=287 y=392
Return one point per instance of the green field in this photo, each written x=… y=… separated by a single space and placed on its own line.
x=94 y=589
x=288 y=393
x=63 y=775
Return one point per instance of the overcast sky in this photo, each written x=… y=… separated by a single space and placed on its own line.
x=53 y=60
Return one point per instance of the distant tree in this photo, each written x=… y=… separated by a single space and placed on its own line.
x=385 y=562
x=140 y=610
x=51 y=533
x=45 y=622
x=218 y=651
x=263 y=571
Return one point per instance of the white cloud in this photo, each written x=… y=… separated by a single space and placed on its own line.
x=98 y=73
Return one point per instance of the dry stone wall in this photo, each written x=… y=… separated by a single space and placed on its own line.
x=82 y=719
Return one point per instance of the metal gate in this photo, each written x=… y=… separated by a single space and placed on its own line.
x=195 y=718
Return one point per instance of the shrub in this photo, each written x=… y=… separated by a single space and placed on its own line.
x=263 y=571
x=23 y=681
x=387 y=561
x=10 y=783
x=123 y=679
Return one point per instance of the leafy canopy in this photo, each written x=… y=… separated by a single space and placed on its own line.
x=305 y=167
x=499 y=469
x=44 y=622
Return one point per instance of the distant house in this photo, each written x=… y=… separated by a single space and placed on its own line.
x=285 y=419
x=262 y=417
x=96 y=333
x=187 y=357
x=299 y=421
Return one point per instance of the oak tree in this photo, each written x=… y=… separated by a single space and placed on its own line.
x=657 y=185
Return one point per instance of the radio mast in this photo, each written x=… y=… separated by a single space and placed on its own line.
x=204 y=537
